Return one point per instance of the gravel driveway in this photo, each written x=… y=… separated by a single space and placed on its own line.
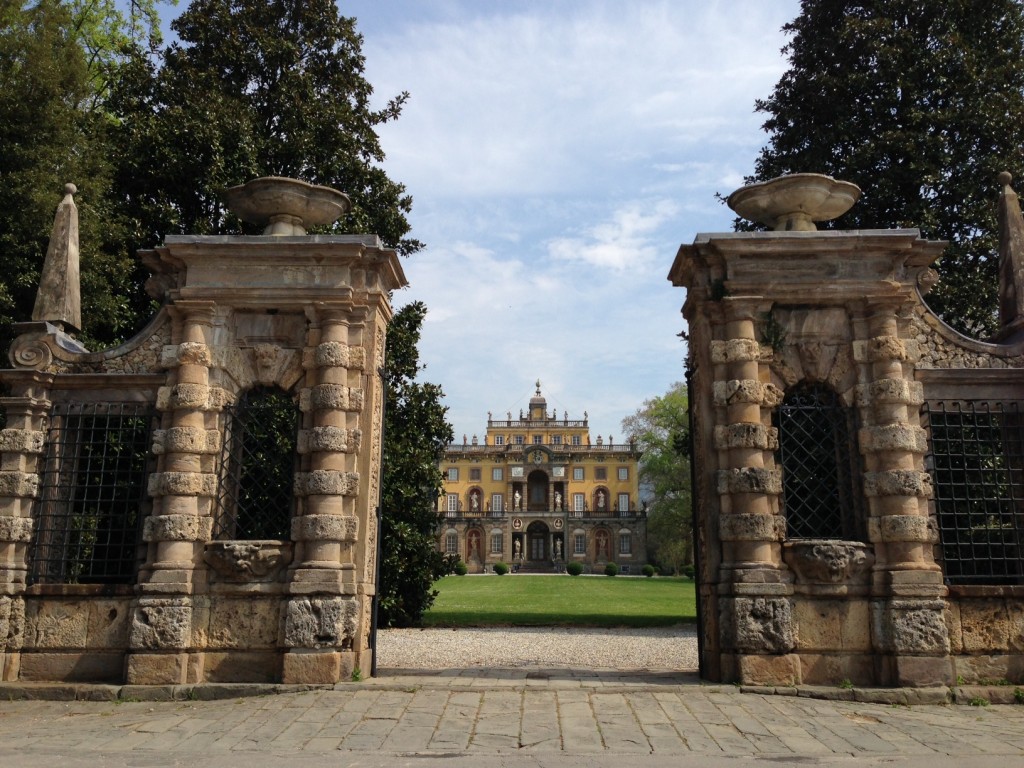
x=672 y=648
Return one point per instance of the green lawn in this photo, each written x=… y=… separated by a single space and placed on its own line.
x=582 y=601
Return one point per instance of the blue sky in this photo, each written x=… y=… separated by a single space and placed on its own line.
x=558 y=153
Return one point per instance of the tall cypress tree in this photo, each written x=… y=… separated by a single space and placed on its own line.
x=921 y=104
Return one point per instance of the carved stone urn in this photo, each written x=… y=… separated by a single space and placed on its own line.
x=793 y=203
x=286 y=206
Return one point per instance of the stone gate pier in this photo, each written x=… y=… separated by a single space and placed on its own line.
x=198 y=504
x=858 y=463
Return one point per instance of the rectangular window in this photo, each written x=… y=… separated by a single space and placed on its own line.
x=453 y=474
x=579 y=544
x=451 y=543
x=474 y=473
x=579 y=502
x=623 y=473
x=575 y=439
x=452 y=504
x=600 y=473
x=497 y=503
x=499 y=439
x=497 y=543
x=623 y=502
x=518 y=439
x=556 y=439
x=497 y=474
x=625 y=543
x=538 y=439
x=577 y=473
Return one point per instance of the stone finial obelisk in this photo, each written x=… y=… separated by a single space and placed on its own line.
x=1011 y=260
x=59 y=298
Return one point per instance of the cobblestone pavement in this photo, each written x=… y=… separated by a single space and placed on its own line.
x=506 y=717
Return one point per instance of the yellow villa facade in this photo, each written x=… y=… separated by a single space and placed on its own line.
x=537 y=493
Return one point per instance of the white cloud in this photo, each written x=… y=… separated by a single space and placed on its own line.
x=623 y=242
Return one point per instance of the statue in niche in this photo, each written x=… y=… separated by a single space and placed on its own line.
x=558 y=501
x=558 y=549
x=518 y=550
x=602 y=545
x=517 y=501
x=474 y=501
x=600 y=501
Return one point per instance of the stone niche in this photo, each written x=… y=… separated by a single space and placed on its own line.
x=186 y=599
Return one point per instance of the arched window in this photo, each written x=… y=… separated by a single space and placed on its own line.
x=258 y=467
x=819 y=464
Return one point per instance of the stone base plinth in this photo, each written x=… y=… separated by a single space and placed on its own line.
x=313 y=667
x=158 y=669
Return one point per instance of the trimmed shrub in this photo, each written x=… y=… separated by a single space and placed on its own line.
x=461 y=569
x=574 y=568
x=500 y=568
x=647 y=570
x=687 y=571
x=611 y=570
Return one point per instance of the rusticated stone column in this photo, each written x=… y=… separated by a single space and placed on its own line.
x=22 y=445
x=322 y=621
x=183 y=489
x=908 y=627
x=756 y=618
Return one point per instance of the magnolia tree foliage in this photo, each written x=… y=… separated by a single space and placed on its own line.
x=661 y=430
x=919 y=103
x=416 y=432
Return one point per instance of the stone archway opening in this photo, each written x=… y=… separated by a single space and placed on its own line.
x=538 y=537
x=537 y=491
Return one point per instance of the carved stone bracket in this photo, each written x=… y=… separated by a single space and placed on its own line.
x=828 y=561
x=241 y=561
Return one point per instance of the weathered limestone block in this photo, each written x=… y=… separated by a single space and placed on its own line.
x=749 y=480
x=735 y=351
x=904 y=528
x=913 y=627
x=182 y=484
x=832 y=625
x=21 y=441
x=186 y=440
x=335 y=397
x=176 y=528
x=769 y=670
x=330 y=354
x=320 y=622
x=329 y=439
x=326 y=482
x=737 y=391
x=891 y=392
x=758 y=624
x=356 y=358
x=752 y=527
x=187 y=353
x=16 y=529
x=56 y=624
x=746 y=436
x=894 y=437
x=879 y=349
x=193 y=396
x=161 y=623
x=247 y=561
x=985 y=625
x=241 y=623
x=826 y=561
x=325 y=528
x=24 y=484
x=12 y=623
x=109 y=620
x=1015 y=624
x=898 y=482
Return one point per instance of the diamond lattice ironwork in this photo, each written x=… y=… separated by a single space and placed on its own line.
x=977 y=463
x=818 y=465
x=258 y=464
x=92 y=494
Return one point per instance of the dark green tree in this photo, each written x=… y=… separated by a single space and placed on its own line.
x=52 y=134
x=416 y=432
x=661 y=430
x=919 y=103
x=254 y=88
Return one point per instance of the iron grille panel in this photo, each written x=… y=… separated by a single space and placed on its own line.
x=92 y=494
x=258 y=463
x=819 y=465
x=977 y=466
